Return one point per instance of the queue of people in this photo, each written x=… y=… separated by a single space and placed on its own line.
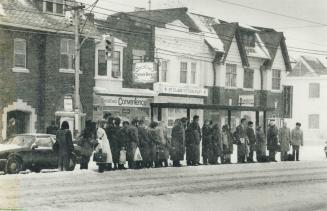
x=142 y=146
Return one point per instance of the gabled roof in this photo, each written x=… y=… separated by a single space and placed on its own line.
x=227 y=32
x=273 y=40
x=161 y=17
x=26 y=14
x=308 y=66
x=205 y=24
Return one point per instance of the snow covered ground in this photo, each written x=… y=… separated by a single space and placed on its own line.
x=259 y=186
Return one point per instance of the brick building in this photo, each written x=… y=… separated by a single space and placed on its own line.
x=37 y=66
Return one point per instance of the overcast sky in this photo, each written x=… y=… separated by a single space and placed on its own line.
x=300 y=34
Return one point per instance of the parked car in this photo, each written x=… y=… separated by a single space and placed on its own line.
x=32 y=151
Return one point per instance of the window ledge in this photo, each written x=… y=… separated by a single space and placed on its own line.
x=231 y=87
x=116 y=79
x=276 y=91
x=72 y=71
x=249 y=89
x=20 y=70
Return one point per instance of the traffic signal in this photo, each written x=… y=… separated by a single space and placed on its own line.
x=109 y=45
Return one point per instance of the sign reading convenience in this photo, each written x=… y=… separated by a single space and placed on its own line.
x=126 y=101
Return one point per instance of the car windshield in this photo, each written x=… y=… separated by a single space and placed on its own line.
x=24 y=141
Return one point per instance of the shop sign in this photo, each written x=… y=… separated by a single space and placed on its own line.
x=126 y=101
x=180 y=90
x=68 y=103
x=246 y=100
x=145 y=72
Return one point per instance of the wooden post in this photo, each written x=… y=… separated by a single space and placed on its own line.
x=151 y=111
x=229 y=118
x=257 y=116
x=265 y=121
x=188 y=111
x=159 y=113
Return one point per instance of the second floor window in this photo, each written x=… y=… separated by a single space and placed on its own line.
x=248 y=78
x=164 y=70
x=54 y=6
x=248 y=39
x=231 y=75
x=314 y=121
x=115 y=71
x=67 y=54
x=183 y=72
x=102 y=63
x=20 y=53
x=193 y=73
x=314 y=90
x=276 y=78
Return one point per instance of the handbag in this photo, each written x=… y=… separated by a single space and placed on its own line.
x=137 y=155
x=100 y=157
x=122 y=157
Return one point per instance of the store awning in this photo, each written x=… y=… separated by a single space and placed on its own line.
x=211 y=107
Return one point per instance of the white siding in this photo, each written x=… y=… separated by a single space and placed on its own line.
x=303 y=106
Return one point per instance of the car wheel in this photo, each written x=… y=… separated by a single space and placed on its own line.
x=14 y=165
x=72 y=164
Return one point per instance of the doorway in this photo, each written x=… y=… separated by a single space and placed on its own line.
x=18 y=122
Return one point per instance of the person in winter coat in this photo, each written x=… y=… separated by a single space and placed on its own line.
x=87 y=141
x=272 y=140
x=227 y=142
x=145 y=144
x=242 y=141
x=104 y=146
x=132 y=144
x=251 y=137
x=297 y=140
x=261 y=144
x=178 y=143
x=193 y=139
x=206 y=141
x=216 y=145
x=164 y=147
x=65 y=146
x=113 y=132
x=155 y=136
x=284 y=137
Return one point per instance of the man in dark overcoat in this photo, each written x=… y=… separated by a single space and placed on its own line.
x=177 y=143
x=241 y=139
x=252 y=140
x=193 y=139
x=145 y=144
x=272 y=140
x=206 y=141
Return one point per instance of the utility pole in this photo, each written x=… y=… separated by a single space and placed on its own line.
x=77 y=66
x=149 y=2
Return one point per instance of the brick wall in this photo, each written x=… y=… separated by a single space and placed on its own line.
x=43 y=87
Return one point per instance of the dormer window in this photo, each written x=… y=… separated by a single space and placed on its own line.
x=248 y=39
x=53 y=6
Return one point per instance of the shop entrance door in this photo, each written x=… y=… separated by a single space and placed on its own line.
x=18 y=122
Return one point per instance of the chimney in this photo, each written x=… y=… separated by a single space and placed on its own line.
x=90 y=17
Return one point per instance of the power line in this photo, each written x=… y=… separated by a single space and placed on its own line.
x=94 y=4
x=265 y=44
x=273 y=13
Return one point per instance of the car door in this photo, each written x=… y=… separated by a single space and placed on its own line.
x=43 y=154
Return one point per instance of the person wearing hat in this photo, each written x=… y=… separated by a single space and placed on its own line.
x=297 y=140
x=252 y=140
x=272 y=140
x=285 y=141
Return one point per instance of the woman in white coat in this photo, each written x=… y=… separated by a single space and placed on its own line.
x=104 y=146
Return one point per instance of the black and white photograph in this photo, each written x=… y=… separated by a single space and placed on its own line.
x=163 y=105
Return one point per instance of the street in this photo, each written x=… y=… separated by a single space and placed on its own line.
x=260 y=186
